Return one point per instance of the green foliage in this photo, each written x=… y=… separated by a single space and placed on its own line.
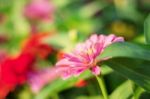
x=129 y=66
x=124 y=91
x=147 y=29
x=128 y=50
x=138 y=77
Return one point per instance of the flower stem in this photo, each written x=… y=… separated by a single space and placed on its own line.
x=102 y=86
x=55 y=96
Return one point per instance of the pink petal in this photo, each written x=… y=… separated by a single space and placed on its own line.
x=79 y=48
x=109 y=39
x=96 y=70
x=67 y=71
x=98 y=48
x=67 y=63
x=66 y=75
x=79 y=71
x=37 y=80
x=101 y=38
x=118 y=39
x=62 y=62
x=72 y=57
x=94 y=38
x=88 y=44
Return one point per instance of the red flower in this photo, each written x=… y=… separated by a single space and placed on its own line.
x=34 y=45
x=14 y=71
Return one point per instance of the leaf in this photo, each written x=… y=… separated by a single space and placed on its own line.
x=60 y=40
x=129 y=67
x=90 y=97
x=124 y=91
x=124 y=49
x=147 y=29
x=137 y=91
x=139 y=75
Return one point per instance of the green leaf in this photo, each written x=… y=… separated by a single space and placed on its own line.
x=90 y=97
x=137 y=91
x=127 y=67
x=124 y=91
x=124 y=49
x=147 y=29
x=137 y=72
x=60 y=40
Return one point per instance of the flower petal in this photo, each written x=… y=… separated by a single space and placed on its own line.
x=96 y=70
x=66 y=75
x=94 y=38
x=118 y=39
x=37 y=80
x=78 y=71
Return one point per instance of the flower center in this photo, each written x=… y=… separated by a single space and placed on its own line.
x=90 y=51
x=92 y=63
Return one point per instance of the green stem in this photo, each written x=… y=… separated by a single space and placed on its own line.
x=136 y=90
x=102 y=86
x=55 y=96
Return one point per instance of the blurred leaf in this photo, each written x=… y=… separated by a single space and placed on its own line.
x=137 y=92
x=140 y=39
x=92 y=8
x=127 y=9
x=89 y=97
x=61 y=4
x=124 y=49
x=5 y=5
x=132 y=71
x=147 y=29
x=61 y=40
x=145 y=95
x=25 y=94
x=123 y=91
x=20 y=25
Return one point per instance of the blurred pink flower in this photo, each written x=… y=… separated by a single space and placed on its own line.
x=84 y=56
x=37 y=80
x=39 y=10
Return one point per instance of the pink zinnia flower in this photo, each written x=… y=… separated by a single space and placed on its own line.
x=84 y=56
x=39 y=10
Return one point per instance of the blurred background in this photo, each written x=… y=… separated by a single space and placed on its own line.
x=61 y=24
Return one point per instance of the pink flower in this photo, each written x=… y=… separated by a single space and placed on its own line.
x=39 y=10
x=84 y=56
x=37 y=80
